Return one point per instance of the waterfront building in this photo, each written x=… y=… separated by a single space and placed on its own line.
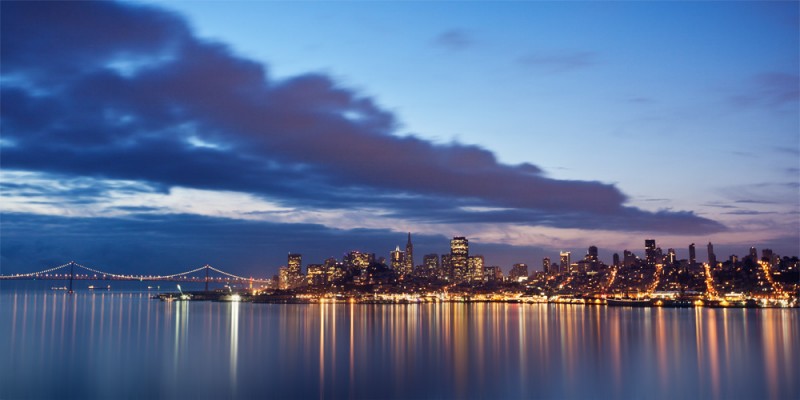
x=692 y=255
x=492 y=274
x=294 y=268
x=546 y=265
x=430 y=264
x=316 y=275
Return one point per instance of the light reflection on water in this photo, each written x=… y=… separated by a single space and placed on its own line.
x=110 y=345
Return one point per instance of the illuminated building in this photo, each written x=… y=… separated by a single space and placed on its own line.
x=692 y=255
x=398 y=261
x=591 y=261
x=671 y=257
x=356 y=260
x=335 y=271
x=475 y=268
x=753 y=254
x=628 y=259
x=712 y=258
x=519 y=272
x=430 y=263
x=294 y=269
x=650 y=252
x=283 y=278
x=565 y=262
x=546 y=265
x=446 y=271
x=492 y=274
x=459 y=255
x=316 y=274
x=409 y=257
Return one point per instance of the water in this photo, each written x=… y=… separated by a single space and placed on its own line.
x=124 y=345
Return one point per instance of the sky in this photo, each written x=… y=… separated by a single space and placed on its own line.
x=155 y=136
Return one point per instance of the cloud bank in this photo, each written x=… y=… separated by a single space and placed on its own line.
x=128 y=92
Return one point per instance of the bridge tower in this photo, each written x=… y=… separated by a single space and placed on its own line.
x=71 y=274
x=207 y=268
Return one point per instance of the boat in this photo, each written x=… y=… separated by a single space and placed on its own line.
x=59 y=288
x=626 y=302
x=93 y=287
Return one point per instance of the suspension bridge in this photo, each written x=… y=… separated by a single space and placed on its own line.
x=73 y=271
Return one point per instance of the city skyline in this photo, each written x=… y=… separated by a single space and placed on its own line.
x=161 y=134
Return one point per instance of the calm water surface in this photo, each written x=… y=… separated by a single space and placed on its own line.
x=124 y=345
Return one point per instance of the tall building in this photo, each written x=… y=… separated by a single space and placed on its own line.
x=692 y=255
x=592 y=253
x=753 y=254
x=399 y=261
x=650 y=252
x=616 y=259
x=316 y=275
x=459 y=255
x=294 y=268
x=358 y=260
x=565 y=262
x=446 y=270
x=712 y=258
x=475 y=269
x=766 y=255
x=671 y=257
x=519 y=272
x=283 y=278
x=546 y=265
x=629 y=259
x=492 y=274
x=409 y=256
x=430 y=263
x=591 y=261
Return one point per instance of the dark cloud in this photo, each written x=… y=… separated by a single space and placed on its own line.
x=559 y=62
x=454 y=39
x=120 y=91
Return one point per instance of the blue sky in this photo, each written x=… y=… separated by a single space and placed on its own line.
x=527 y=126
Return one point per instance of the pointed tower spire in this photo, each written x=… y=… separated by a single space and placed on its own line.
x=409 y=239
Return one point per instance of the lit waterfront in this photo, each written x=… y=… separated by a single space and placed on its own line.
x=110 y=345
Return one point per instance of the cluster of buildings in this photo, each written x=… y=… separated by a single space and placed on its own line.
x=657 y=271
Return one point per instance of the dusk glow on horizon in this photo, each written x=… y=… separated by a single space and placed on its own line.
x=148 y=137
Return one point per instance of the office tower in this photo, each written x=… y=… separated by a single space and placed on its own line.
x=399 y=261
x=592 y=253
x=733 y=259
x=692 y=255
x=459 y=254
x=492 y=274
x=358 y=260
x=294 y=269
x=628 y=258
x=519 y=272
x=446 y=270
x=316 y=275
x=616 y=260
x=546 y=265
x=430 y=264
x=283 y=278
x=409 y=256
x=671 y=257
x=475 y=268
x=712 y=258
x=334 y=270
x=650 y=252
x=753 y=254
x=565 y=262
x=766 y=255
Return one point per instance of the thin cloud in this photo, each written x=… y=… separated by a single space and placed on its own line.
x=454 y=39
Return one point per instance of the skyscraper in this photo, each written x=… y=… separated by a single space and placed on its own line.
x=712 y=258
x=650 y=252
x=692 y=255
x=459 y=255
x=409 y=256
x=294 y=270
x=565 y=262
x=398 y=261
x=546 y=265
x=671 y=257
x=431 y=263
x=616 y=259
x=519 y=272
x=475 y=268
